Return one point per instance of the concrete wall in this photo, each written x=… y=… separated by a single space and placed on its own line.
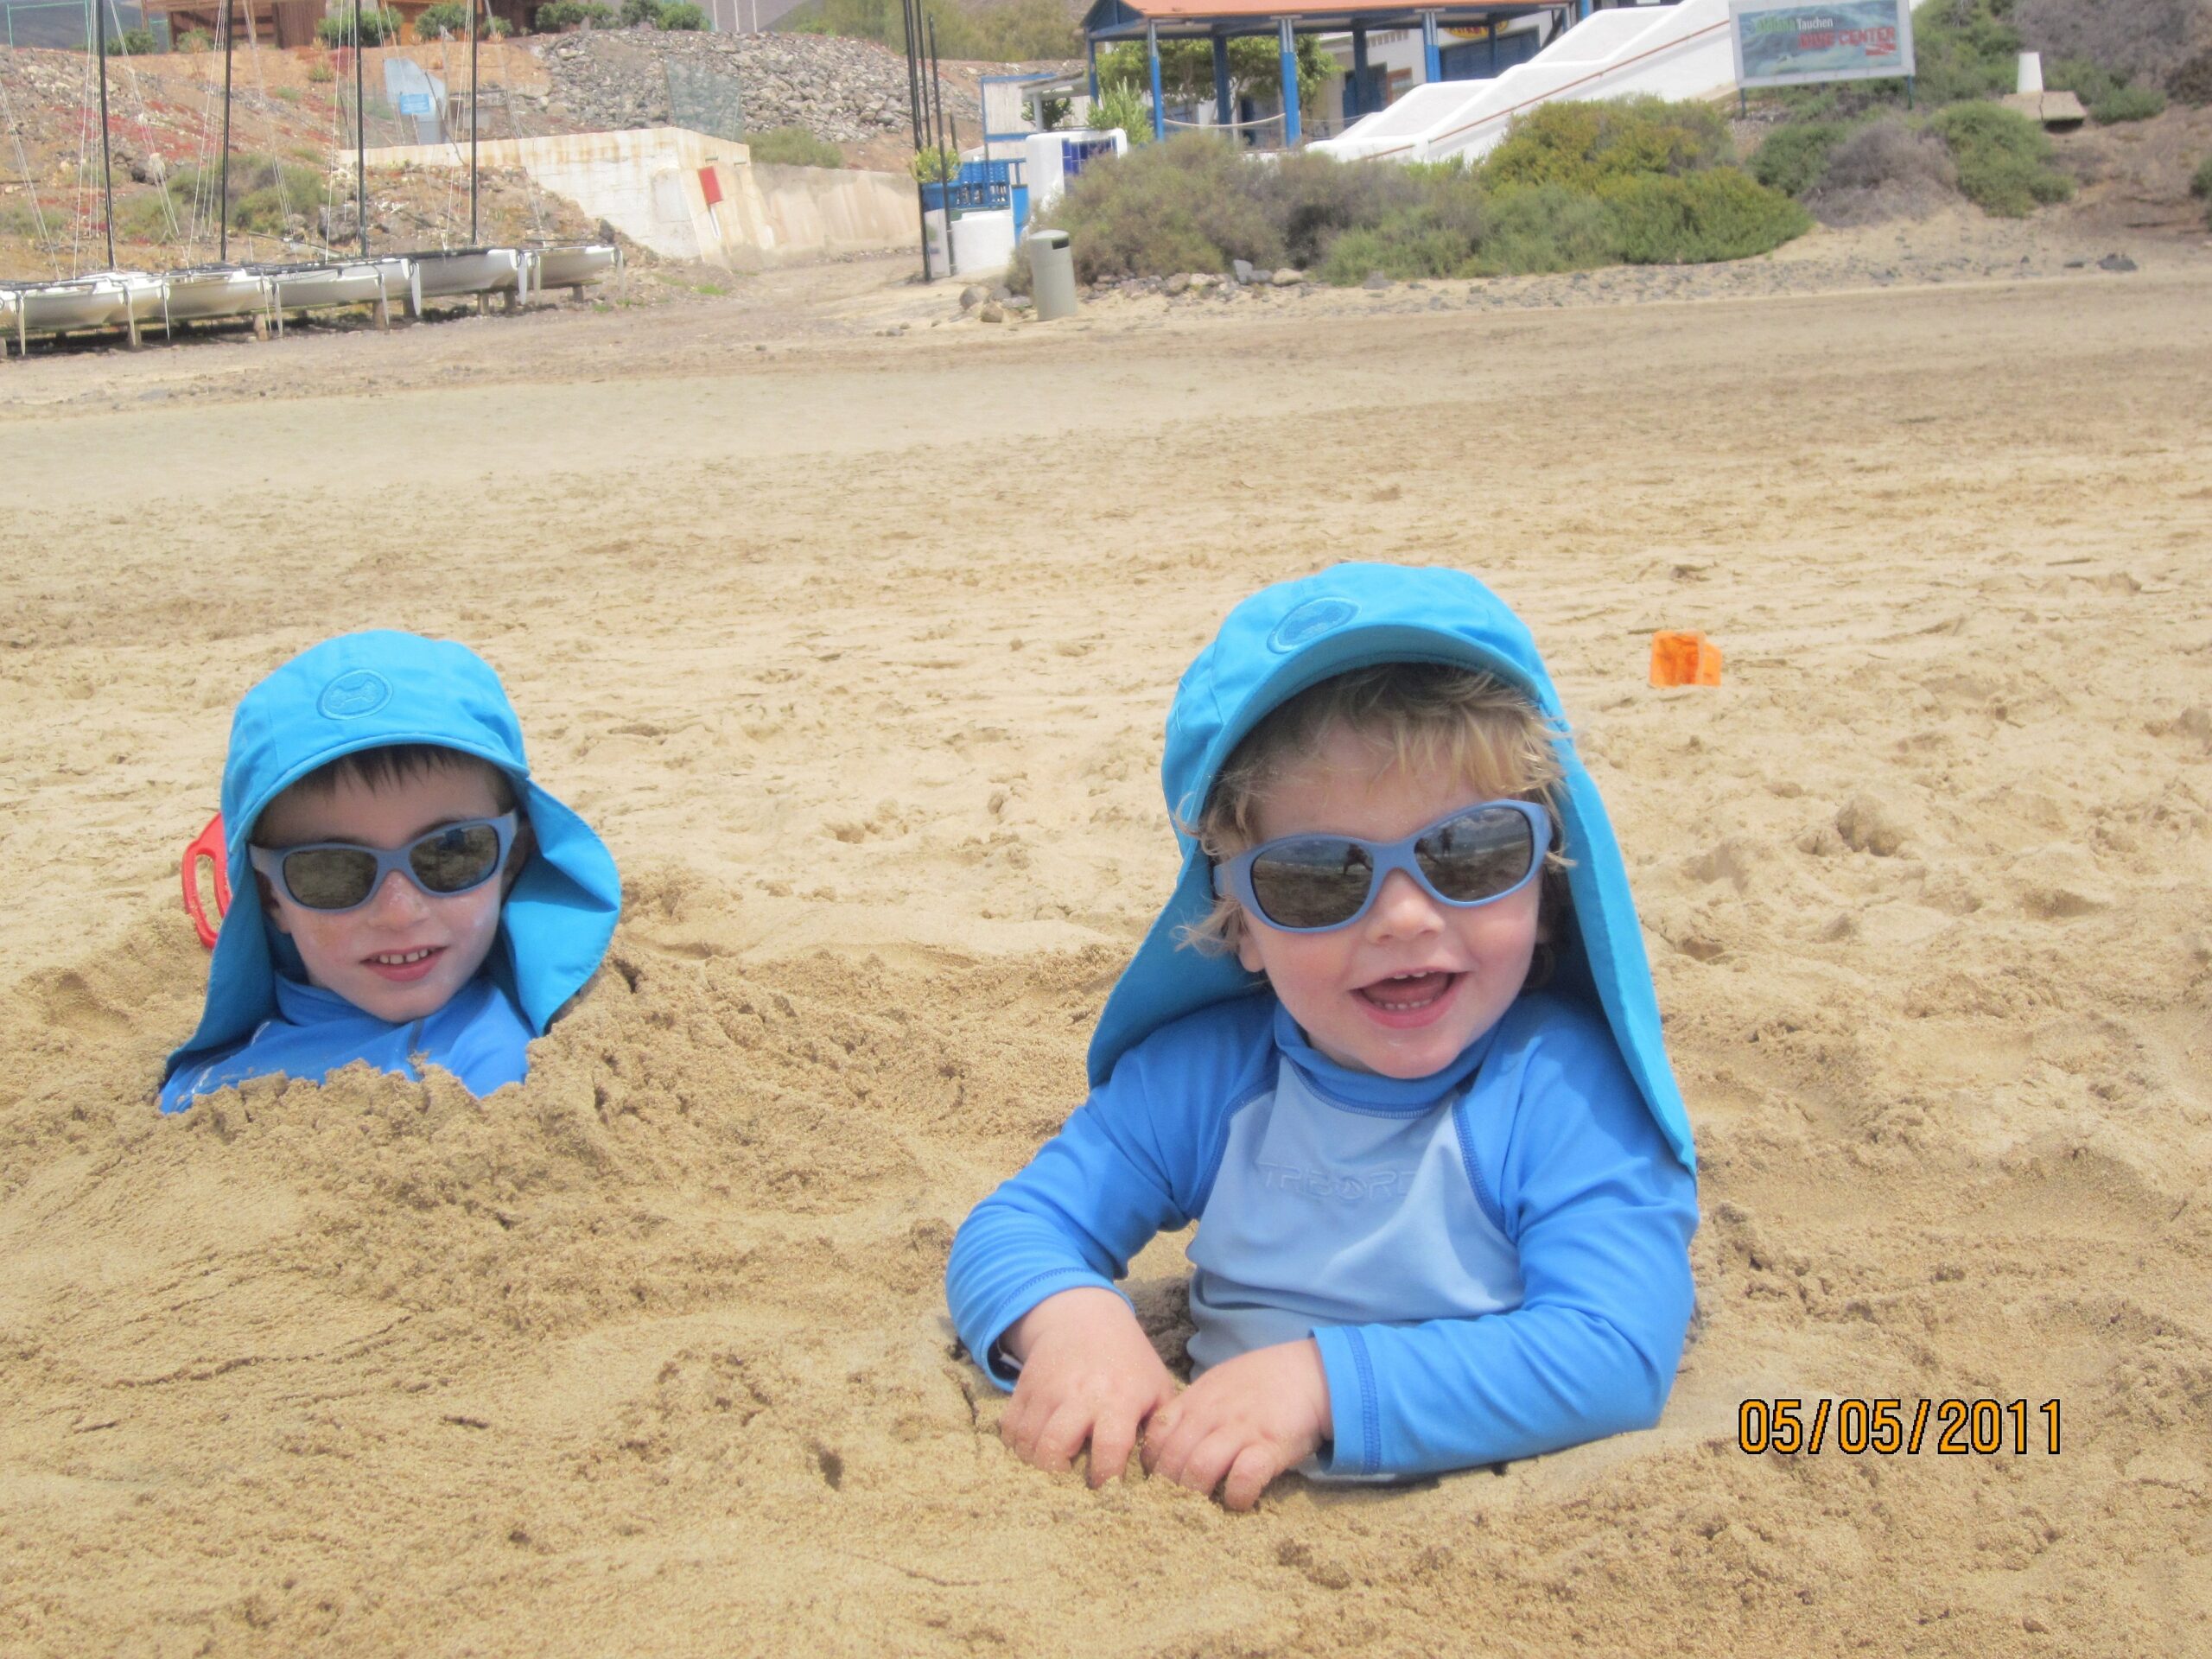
x=688 y=195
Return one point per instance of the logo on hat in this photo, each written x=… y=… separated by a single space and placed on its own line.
x=1309 y=621
x=353 y=695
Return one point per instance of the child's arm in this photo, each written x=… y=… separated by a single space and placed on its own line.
x=1137 y=1157
x=1602 y=1215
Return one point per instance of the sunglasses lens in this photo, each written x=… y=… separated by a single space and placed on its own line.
x=1320 y=881
x=1479 y=854
x=455 y=860
x=329 y=878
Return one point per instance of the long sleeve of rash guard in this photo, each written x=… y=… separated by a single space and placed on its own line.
x=1135 y=1159
x=1601 y=1213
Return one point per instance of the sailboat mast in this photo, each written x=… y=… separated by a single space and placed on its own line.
x=360 y=137
x=223 y=218
x=472 y=32
x=107 y=167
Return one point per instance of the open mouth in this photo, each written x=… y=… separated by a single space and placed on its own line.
x=402 y=966
x=1410 y=999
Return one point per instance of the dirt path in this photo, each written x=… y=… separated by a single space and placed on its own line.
x=856 y=650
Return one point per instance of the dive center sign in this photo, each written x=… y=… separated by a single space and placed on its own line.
x=1788 y=43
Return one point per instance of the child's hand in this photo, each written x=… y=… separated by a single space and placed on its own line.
x=1247 y=1418
x=1088 y=1373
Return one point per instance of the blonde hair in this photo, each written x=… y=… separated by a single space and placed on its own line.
x=1424 y=717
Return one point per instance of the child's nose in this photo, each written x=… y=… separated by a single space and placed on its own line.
x=1402 y=909
x=398 y=900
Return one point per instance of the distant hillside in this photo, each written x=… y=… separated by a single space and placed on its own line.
x=977 y=31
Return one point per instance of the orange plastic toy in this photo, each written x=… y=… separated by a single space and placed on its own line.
x=207 y=844
x=1684 y=659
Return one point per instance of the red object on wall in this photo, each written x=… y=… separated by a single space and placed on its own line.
x=709 y=186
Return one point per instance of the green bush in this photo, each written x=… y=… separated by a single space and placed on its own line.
x=645 y=13
x=2002 y=157
x=1312 y=200
x=133 y=43
x=1436 y=237
x=1793 y=157
x=936 y=164
x=1649 y=190
x=794 y=147
x=195 y=40
x=378 y=26
x=1183 y=205
x=576 y=14
x=1964 y=49
x=1124 y=107
x=1695 y=219
x=1585 y=146
x=2201 y=186
x=683 y=15
x=447 y=17
x=1534 y=229
x=2128 y=103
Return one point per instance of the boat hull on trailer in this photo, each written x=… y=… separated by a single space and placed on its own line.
x=198 y=295
x=573 y=266
x=474 y=270
x=351 y=282
x=104 y=299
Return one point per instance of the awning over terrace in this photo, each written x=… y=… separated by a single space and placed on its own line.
x=1112 y=22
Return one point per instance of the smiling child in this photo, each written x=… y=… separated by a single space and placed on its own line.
x=1393 y=1046
x=401 y=888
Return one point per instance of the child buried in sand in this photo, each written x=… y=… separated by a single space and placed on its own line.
x=400 y=887
x=1393 y=1046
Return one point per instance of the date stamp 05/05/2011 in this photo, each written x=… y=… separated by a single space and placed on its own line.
x=1886 y=1427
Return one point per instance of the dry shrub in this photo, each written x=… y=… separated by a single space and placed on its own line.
x=1885 y=170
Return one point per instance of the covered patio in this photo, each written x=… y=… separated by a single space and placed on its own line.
x=1112 y=21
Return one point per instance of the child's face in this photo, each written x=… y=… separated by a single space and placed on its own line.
x=405 y=953
x=1345 y=987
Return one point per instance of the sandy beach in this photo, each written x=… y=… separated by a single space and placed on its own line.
x=856 y=648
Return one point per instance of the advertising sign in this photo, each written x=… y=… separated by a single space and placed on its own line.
x=1788 y=43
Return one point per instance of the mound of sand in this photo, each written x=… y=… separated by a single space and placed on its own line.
x=649 y=1354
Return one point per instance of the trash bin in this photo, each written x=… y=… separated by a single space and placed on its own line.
x=1052 y=275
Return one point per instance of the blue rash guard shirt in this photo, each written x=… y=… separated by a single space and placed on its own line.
x=1493 y=1260
x=478 y=1035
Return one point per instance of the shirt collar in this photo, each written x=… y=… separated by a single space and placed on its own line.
x=1369 y=1091
x=299 y=1003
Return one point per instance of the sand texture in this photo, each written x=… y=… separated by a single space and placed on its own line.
x=856 y=651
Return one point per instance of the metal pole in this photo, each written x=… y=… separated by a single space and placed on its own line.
x=472 y=32
x=948 y=129
x=360 y=136
x=1223 y=114
x=913 y=71
x=914 y=120
x=936 y=79
x=1291 y=129
x=107 y=167
x=223 y=219
x=1152 y=61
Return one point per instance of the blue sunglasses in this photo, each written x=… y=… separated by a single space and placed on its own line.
x=338 y=875
x=1311 y=884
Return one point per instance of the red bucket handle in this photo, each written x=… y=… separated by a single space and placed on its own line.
x=207 y=844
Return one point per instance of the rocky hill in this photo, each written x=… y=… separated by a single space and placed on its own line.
x=847 y=91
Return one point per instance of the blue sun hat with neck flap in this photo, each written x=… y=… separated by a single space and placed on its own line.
x=370 y=691
x=1296 y=634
